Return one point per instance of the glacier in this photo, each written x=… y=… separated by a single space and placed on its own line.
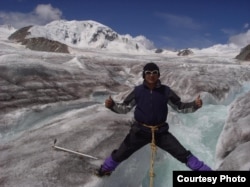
x=47 y=96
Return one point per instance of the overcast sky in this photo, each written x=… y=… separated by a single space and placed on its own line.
x=173 y=24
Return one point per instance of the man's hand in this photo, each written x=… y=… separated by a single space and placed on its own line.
x=198 y=102
x=109 y=102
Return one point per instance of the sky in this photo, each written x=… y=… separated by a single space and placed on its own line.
x=169 y=24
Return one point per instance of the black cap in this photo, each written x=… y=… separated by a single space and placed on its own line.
x=150 y=67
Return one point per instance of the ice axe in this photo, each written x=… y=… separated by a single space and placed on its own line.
x=71 y=151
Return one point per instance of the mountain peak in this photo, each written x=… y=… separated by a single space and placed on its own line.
x=89 y=34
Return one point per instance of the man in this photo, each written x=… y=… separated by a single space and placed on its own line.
x=150 y=100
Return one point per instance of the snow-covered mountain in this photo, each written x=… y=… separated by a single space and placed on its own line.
x=90 y=34
x=72 y=36
x=6 y=31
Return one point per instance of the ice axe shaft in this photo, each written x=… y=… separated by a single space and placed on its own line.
x=71 y=151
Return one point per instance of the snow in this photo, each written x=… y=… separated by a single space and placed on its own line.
x=46 y=96
x=90 y=34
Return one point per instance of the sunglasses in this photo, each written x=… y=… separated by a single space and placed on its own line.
x=154 y=72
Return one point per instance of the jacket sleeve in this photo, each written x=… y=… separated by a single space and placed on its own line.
x=175 y=102
x=126 y=105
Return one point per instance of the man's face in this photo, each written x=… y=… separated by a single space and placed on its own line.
x=151 y=77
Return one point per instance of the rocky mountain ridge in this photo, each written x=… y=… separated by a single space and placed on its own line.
x=59 y=36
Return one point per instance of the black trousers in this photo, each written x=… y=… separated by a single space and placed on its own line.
x=138 y=137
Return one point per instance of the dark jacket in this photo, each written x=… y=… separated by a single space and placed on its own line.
x=151 y=106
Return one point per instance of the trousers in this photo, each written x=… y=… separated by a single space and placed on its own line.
x=139 y=137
